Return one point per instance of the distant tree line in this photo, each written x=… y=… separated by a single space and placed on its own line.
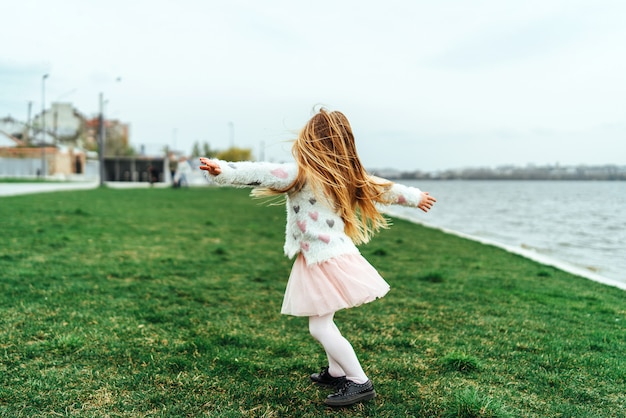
x=531 y=172
x=230 y=154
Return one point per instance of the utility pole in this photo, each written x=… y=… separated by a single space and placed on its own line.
x=55 y=123
x=101 y=140
x=30 y=108
x=43 y=132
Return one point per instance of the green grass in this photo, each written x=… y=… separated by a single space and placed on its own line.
x=165 y=303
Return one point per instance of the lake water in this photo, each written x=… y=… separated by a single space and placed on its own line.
x=577 y=226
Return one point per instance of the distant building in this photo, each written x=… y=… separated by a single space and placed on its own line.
x=64 y=124
x=68 y=146
x=26 y=151
x=116 y=133
x=11 y=128
x=137 y=169
x=19 y=161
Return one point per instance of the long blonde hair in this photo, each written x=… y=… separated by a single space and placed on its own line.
x=327 y=159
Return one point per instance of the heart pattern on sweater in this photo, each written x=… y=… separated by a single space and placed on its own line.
x=323 y=237
x=304 y=246
x=296 y=208
x=401 y=199
x=280 y=173
x=330 y=222
x=302 y=226
x=313 y=215
x=312 y=200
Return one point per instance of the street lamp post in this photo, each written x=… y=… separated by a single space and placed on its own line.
x=43 y=132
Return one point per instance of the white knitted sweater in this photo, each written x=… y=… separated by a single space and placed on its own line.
x=314 y=228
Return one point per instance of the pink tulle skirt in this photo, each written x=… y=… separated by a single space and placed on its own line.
x=342 y=282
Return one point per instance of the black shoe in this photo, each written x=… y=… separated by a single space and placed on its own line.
x=350 y=393
x=323 y=378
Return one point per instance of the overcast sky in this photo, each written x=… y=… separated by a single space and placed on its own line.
x=427 y=85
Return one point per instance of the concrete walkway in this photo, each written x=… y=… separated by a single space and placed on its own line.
x=195 y=179
x=14 y=189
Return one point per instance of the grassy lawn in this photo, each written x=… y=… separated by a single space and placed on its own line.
x=165 y=303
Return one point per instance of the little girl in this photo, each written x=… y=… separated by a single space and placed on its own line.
x=331 y=207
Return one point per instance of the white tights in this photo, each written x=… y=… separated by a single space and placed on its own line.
x=342 y=360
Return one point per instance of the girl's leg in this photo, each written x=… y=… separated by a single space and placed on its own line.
x=342 y=359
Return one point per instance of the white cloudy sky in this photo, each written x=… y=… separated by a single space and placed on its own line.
x=426 y=84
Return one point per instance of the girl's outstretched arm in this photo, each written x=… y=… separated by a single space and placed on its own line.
x=248 y=173
x=399 y=194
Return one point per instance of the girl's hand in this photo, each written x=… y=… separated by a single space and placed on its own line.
x=211 y=166
x=427 y=202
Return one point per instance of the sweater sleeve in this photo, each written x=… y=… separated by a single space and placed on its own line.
x=399 y=194
x=254 y=174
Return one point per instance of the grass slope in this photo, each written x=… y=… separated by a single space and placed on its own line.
x=162 y=302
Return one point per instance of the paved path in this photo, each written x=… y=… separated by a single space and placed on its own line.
x=13 y=189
